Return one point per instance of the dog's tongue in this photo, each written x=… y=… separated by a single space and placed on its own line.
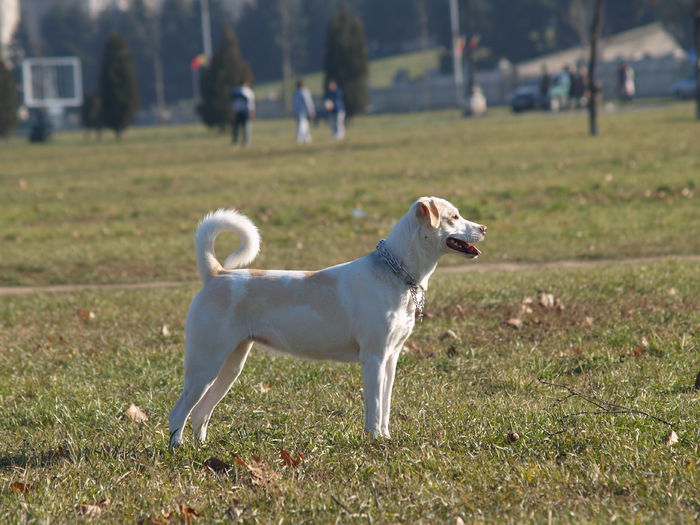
x=464 y=247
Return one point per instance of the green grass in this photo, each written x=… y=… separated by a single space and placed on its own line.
x=66 y=383
x=78 y=212
x=381 y=72
x=75 y=211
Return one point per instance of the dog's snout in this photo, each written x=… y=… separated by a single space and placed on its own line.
x=483 y=228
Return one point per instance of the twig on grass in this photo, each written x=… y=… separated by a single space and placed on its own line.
x=604 y=406
x=341 y=505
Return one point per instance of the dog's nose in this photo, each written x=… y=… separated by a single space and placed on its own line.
x=483 y=228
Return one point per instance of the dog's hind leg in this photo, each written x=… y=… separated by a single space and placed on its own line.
x=200 y=373
x=229 y=372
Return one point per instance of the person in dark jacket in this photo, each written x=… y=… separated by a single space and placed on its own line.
x=335 y=109
x=243 y=105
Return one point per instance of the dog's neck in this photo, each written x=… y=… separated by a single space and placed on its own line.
x=407 y=246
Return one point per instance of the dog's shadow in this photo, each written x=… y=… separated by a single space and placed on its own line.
x=34 y=459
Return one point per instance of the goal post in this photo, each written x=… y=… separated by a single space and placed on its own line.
x=52 y=82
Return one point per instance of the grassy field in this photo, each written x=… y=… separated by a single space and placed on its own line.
x=624 y=338
x=74 y=211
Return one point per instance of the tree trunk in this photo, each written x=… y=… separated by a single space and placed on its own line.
x=158 y=84
x=592 y=82
x=286 y=45
x=696 y=17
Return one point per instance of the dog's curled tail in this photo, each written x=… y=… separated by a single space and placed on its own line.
x=224 y=221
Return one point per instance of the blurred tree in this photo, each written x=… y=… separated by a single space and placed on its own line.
x=696 y=31
x=135 y=24
x=68 y=30
x=118 y=91
x=346 y=59
x=91 y=113
x=273 y=37
x=226 y=70
x=8 y=100
x=316 y=14
x=180 y=41
x=392 y=25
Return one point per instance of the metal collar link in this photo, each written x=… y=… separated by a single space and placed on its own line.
x=417 y=291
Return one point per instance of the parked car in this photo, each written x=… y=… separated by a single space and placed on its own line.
x=685 y=88
x=527 y=96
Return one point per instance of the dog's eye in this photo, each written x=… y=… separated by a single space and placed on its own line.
x=455 y=217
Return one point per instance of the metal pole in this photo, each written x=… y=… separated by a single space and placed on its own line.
x=456 y=53
x=206 y=27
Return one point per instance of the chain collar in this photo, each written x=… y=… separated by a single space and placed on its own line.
x=417 y=291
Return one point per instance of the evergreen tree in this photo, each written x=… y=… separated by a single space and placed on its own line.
x=136 y=25
x=8 y=101
x=346 y=59
x=118 y=90
x=68 y=30
x=226 y=70
x=91 y=113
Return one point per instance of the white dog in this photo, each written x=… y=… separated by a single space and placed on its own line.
x=362 y=310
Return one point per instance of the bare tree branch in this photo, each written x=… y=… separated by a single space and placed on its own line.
x=604 y=406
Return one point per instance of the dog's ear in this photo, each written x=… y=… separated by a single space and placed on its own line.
x=427 y=211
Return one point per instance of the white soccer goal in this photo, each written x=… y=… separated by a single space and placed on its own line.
x=52 y=82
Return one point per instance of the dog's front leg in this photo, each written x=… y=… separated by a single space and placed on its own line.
x=373 y=374
x=390 y=371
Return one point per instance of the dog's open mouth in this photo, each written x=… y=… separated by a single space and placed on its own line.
x=462 y=247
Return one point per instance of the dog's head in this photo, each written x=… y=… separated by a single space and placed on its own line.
x=442 y=225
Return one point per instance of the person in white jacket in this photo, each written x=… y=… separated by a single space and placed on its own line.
x=303 y=108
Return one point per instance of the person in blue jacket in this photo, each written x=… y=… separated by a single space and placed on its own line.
x=335 y=109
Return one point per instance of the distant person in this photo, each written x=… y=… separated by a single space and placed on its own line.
x=243 y=104
x=625 y=82
x=335 y=109
x=303 y=107
x=545 y=87
x=577 y=86
x=41 y=127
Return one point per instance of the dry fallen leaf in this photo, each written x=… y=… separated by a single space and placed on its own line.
x=289 y=460
x=85 y=315
x=164 y=519
x=20 y=487
x=515 y=323
x=512 y=437
x=216 y=465
x=589 y=321
x=136 y=414
x=449 y=334
x=165 y=331
x=262 y=388
x=671 y=438
x=545 y=299
x=526 y=306
x=260 y=474
x=92 y=509
x=188 y=513
x=235 y=511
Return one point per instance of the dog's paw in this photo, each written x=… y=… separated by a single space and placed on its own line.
x=176 y=439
